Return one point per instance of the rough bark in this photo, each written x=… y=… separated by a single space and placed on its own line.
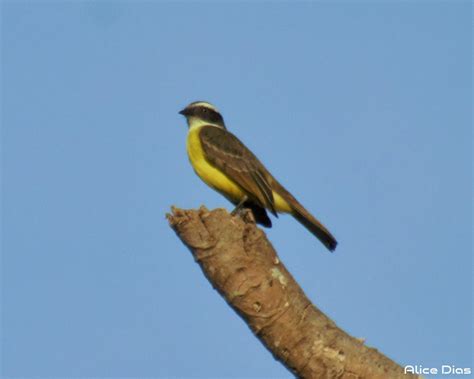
x=242 y=265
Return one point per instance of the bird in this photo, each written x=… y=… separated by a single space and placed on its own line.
x=225 y=164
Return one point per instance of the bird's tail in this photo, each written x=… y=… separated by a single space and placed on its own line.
x=308 y=220
x=315 y=227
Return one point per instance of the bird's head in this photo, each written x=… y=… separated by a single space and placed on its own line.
x=202 y=113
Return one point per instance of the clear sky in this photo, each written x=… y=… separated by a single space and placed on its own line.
x=361 y=109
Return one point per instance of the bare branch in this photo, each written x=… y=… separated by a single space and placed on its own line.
x=242 y=265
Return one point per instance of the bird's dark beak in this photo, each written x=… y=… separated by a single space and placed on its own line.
x=183 y=112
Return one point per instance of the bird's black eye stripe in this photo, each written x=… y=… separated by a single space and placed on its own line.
x=207 y=114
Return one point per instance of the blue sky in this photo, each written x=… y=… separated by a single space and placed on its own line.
x=361 y=109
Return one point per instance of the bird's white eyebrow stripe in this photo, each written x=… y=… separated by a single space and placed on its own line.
x=204 y=104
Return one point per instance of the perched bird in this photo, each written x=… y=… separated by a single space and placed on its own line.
x=224 y=163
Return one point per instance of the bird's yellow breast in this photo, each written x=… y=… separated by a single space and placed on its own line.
x=208 y=173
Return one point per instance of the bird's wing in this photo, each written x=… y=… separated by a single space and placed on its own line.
x=228 y=154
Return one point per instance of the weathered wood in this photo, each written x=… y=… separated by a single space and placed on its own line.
x=242 y=265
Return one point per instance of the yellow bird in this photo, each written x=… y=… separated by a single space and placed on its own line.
x=224 y=163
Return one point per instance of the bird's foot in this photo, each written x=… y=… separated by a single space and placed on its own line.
x=239 y=206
